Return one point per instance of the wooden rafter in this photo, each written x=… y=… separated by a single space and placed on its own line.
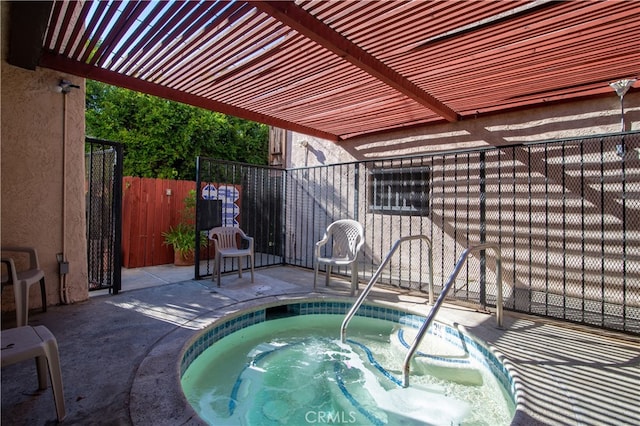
x=306 y=24
x=62 y=64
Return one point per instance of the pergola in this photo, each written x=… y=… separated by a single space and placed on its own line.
x=338 y=69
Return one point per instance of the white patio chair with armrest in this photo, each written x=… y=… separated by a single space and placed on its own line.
x=230 y=241
x=347 y=238
x=23 y=279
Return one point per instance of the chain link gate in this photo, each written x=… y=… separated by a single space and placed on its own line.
x=244 y=195
x=103 y=186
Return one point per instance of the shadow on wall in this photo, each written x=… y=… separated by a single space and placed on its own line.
x=587 y=118
x=320 y=157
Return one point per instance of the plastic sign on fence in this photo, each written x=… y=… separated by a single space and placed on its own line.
x=229 y=196
x=209 y=192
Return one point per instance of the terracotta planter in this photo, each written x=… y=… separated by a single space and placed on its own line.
x=184 y=259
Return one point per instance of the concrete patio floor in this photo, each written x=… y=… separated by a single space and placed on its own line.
x=120 y=353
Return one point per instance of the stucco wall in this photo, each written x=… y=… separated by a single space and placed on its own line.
x=42 y=174
x=565 y=120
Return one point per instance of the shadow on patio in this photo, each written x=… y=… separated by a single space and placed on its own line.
x=120 y=353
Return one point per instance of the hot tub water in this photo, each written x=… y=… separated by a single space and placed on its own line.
x=295 y=371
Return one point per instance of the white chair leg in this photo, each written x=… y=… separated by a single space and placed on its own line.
x=55 y=374
x=56 y=381
x=239 y=267
x=218 y=267
x=41 y=369
x=252 y=265
x=326 y=279
x=315 y=275
x=354 y=278
x=22 y=304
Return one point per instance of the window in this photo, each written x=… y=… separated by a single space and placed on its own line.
x=399 y=191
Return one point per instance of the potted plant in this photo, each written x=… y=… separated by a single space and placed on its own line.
x=182 y=237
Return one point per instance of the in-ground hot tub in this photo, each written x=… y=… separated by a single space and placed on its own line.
x=285 y=364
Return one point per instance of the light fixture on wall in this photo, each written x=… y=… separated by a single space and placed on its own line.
x=65 y=86
x=621 y=87
x=305 y=144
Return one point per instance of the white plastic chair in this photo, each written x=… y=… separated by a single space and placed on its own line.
x=230 y=241
x=23 y=279
x=347 y=238
x=23 y=343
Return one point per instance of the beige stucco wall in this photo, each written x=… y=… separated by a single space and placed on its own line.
x=42 y=174
x=582 y=118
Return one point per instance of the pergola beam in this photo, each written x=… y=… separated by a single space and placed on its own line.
x=306 y=24
x=62 y=64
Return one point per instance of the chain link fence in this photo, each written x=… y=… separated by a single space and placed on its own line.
x=564 y=213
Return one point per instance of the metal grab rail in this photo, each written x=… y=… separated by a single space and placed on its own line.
x=374 y=278
x=443 y=295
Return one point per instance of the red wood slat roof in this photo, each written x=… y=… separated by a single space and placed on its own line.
x=344 y=69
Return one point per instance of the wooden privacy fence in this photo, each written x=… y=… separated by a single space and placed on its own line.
x=150 y=207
